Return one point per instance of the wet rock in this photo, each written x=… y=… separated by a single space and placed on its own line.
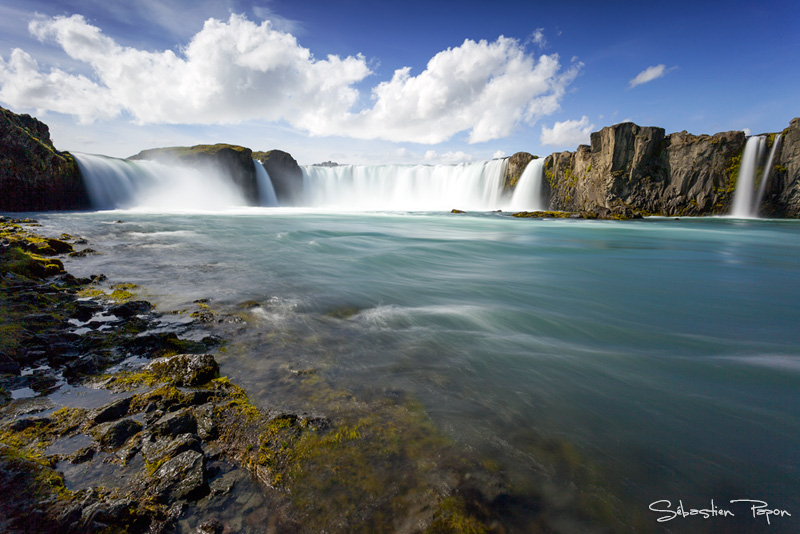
x=113 y=435
x=85 y=310
x=172 y=424
x=7 y=365
x=196 y=398
x=156 y=448
x=210 y=526
x=81 y=455
x=206 y=423
x=182 y=477
x=185 y=369
x=111 y=412
x=131 y=308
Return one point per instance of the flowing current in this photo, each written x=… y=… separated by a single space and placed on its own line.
x=665 y=353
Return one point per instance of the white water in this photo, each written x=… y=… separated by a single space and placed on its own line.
x=528 y=193
x=266 y=191
x=765 y=176
x=744 y=199
x=114 y=183
x=468 y=186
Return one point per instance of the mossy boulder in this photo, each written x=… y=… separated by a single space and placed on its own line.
x=185 y=369
x=34 y=176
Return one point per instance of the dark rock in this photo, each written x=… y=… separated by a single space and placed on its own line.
x=285 y=173
x=34 y=176
x=8 y=365
x=82 y=455
x=206 y=423
x=131 y=308
x=182 y=477
x=111 y=412
x=172 y=424
x=210 y=526
x=185 y=369
x=113 y=435
x=156 y=448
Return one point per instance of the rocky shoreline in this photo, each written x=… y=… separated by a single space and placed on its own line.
x=115 y=419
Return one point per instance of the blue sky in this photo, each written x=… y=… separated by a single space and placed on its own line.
x=394 y=82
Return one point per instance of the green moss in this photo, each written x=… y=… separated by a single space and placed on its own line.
x=30 y=265
x=451 y=517
x=732 y=172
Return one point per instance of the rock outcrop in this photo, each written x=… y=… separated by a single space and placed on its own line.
x=34 y=175
x=285 y=173
x=782 y=198
x=641 y=168
x=230 y=160
x=514 y=169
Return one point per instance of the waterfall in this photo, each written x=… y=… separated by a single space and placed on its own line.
x=114 y=183
x=745 y=182
x=749 y=193
x=266 y=191
x=528 y=193
x=765 y=175
x=469 y=186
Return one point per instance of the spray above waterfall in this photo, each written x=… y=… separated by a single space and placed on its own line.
x=750 y=190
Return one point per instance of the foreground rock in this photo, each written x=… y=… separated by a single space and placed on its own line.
x=33 y=174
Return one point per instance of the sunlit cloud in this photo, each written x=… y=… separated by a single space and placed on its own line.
x=237 y=70
x=569 y=133
x=649 y=74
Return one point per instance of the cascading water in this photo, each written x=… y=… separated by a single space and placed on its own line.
x=762 y=188
x=266 y=191
x=475 y=186
x=528 y=193
x=114 y=183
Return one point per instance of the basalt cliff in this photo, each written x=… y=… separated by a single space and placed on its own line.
x=634 y=168
x=33 y=174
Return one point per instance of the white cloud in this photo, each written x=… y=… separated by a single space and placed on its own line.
x=498 y=154
x=538 y=38
x=649 y=74
x=747 y=132
x=568 y=133
x=238 y=70
x=448 y=158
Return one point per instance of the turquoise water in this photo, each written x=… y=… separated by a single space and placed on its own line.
x=665 y=351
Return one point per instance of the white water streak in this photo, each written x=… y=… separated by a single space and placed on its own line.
x=468 y=186
x=266 y=192
x=528 y=193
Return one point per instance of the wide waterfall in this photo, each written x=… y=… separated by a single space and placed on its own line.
x=114 y=183
x=528 y=193
x=468 y=186
x=749 y=193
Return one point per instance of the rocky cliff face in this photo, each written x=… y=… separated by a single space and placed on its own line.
x=641 y=168
x=515 y=168
x=285 y=173
x=35 y=176
x=782 y=198
x=230 y=160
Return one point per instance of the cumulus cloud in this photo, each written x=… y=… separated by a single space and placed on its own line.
x=649 y=74
x=448 y=158
x=568 y=133
x=238 y=70
x=498 y=154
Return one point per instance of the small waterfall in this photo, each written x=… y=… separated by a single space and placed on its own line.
x=762 y=187
x=528 y=192
x=469 y=186
x=749 y=192
x=743 y=198
x=266 y=191
x=114 y=183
